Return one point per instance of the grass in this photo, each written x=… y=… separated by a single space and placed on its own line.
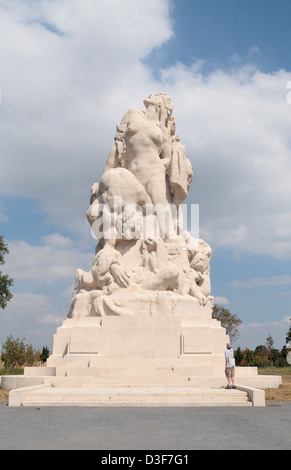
x=18 y=371
x=275 y=371
x=3 y=395
x=283 y=393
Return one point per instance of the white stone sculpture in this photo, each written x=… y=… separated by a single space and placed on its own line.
x=141 y=261
x=141 y=317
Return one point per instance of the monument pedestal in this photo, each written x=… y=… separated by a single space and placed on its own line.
x=142 y=360
x=160 y=348
x=166 y=360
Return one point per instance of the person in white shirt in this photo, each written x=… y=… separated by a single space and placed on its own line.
x=229 y=366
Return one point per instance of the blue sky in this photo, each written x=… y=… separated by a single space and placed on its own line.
x=68 y=72
x=223 y=31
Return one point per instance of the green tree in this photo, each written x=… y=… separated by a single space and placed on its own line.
x=5 y=281
x=15 y=353
x=228 y=321
x=284 y=352
x=270 y=349
x=29 y=355
x=238 y=355
x=283 y=357
x=248 y=358
x=10 y=352
x=44 y=354
x=261 y=356
x=288 y=337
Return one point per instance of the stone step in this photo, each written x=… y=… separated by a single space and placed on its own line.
x=132 y=391
x=168 y=393
x=198 y=382
x=141 y=404
x=135 y=396
x=158 y=373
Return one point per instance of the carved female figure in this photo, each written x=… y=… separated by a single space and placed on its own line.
x=143 y=146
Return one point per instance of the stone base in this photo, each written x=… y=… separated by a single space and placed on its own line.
x=138 y=351
x=165 y=345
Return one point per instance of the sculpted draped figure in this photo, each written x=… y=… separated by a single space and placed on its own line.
x=134 y=270
x=143 y=145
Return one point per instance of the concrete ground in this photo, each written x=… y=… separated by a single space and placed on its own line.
x=157 y=428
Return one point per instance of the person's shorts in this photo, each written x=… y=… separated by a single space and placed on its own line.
x=229 y=372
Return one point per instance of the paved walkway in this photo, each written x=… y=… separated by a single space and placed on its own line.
x=172 y=429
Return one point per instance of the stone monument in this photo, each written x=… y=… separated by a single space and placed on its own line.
x=143 y=313
x=147 y=297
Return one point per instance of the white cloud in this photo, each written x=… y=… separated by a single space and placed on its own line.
x=254 y=50
x=255 y=333
x=281 y=280
x=236 y=127
x=63 y=94
x=56 y=259
x=3 y=215
x=50 y=319
x=31 y=316
x=30 y=305
x=221 y=300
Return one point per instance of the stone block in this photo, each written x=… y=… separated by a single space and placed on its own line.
x=197 y=340
x=86 y=340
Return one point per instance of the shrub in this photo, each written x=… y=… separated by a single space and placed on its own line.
x=15 y=353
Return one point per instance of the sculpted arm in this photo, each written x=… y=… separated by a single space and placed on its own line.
x=112 y=159
x=165 y=154
x=117 y=154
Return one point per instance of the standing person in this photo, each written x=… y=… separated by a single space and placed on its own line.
x=229 y=366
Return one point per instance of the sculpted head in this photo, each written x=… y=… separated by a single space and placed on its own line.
x=201 y=260
x=162 y=103
x=167 y=102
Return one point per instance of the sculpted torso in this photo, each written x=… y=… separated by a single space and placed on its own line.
x=146 y=145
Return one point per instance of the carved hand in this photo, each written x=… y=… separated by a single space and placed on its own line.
x=119 y=275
